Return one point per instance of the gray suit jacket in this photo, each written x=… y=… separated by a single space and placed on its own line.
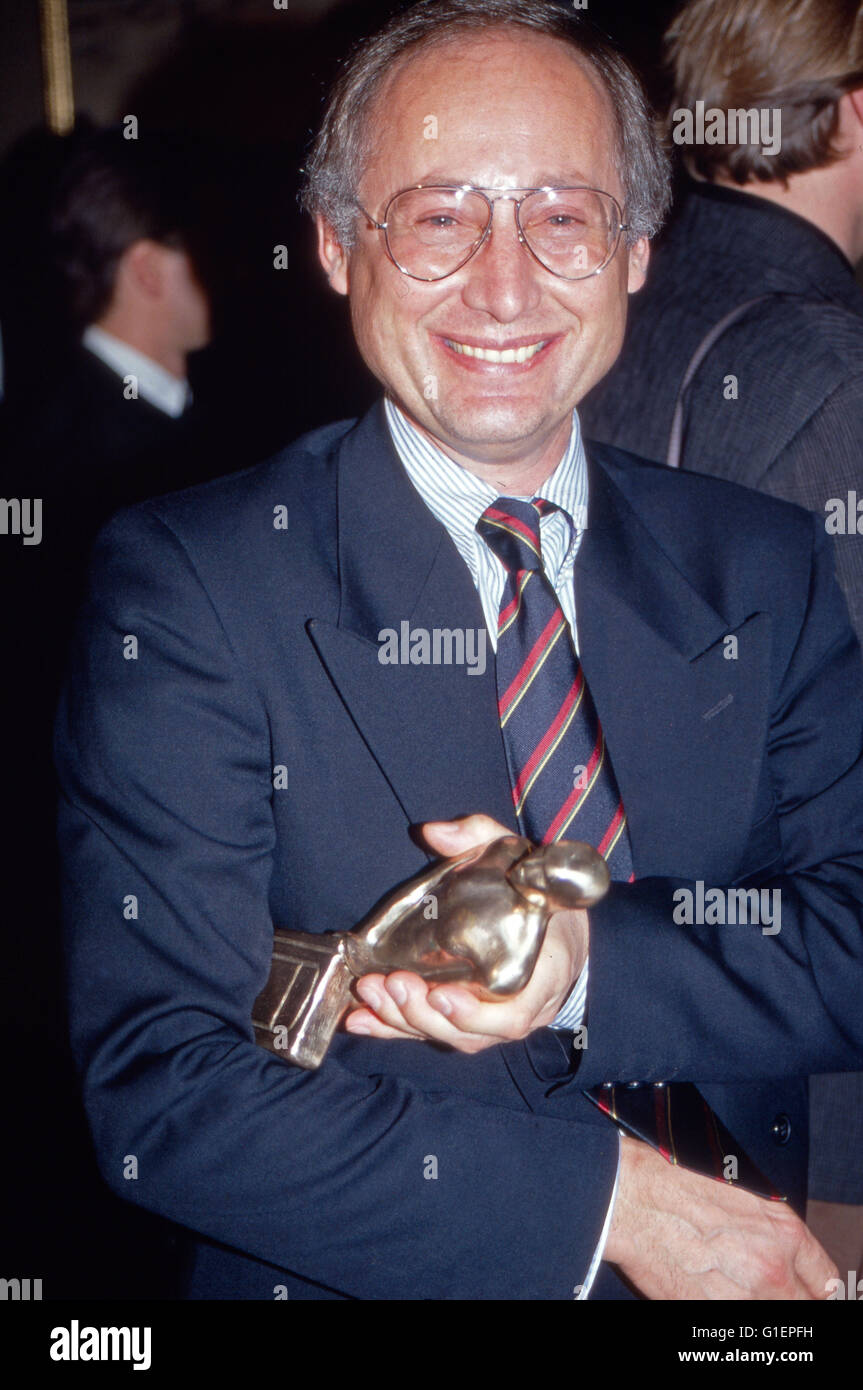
x=795 y=428
x=776 y=404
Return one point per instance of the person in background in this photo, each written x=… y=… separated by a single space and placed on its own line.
x=116 y=424
x=743 y=354
x=105 y=422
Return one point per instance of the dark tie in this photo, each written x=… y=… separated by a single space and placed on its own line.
x=563 y=786
x=561 y=775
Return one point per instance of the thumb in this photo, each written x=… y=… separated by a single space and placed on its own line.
x=449 y=837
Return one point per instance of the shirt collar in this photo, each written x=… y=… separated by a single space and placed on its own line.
x=159 y=387
x=458 y=497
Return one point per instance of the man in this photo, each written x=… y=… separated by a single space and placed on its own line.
x=258 y=759
x=760 y=255
x=121 y=234
x=107 y=424
x=113 y=421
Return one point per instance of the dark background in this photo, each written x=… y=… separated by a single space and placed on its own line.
x=246 y=81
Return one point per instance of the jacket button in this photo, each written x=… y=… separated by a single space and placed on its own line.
x=781 y=1129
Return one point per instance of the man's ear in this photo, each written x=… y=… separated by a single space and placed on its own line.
x=639 y=255
x=332 y=255
x=855 y=101
x=142 y=265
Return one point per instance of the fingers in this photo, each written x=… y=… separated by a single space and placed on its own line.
x=382 y=1017
x=366 y=1024
x=446 y=1013
x=402 y=1005
x=451 y=837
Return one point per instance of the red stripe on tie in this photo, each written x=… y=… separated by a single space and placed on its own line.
x=540 y=646
x=495 y=514
x=663 y=1137
x=611 y=831
x=577 y=795
x=713 y=1138
x=542 y=747
x=514 y=602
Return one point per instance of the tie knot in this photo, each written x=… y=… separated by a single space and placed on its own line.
x=510 y=527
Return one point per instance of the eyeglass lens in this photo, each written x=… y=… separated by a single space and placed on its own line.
x=432 y=231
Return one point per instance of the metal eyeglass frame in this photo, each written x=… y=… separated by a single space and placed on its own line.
x=506 y=196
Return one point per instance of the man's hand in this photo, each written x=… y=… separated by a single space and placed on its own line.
x=678 y=1235
x=403 y=1005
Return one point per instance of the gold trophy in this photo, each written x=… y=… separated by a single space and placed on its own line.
x=479 y=917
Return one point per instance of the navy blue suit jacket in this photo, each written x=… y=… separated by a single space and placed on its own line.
x=257 y=649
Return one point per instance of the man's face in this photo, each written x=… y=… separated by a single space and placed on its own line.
x=508 y=113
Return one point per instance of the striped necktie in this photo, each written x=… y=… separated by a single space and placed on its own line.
x=563 y=785
x=562 y=779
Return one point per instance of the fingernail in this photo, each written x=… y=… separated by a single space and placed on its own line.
x=442 y=1003
x=398 y=991
x=370 y=996
x=358 y=1027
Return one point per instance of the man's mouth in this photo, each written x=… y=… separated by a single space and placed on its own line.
x=520 y=354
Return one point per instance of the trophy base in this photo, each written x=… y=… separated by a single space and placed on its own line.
x=308 y=992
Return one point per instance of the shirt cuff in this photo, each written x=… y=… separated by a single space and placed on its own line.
x=584 y=1290
x=571 y=1012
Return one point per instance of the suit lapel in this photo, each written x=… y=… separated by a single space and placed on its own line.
x=432 y=729
x=683 y=709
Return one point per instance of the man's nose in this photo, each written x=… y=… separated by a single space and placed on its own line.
x=502 y=278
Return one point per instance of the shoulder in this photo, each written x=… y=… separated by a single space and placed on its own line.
x=738 y=547
x=295 y=485
x=817 y=344
x=666 y=497
x=253 y=547
x=743 y=552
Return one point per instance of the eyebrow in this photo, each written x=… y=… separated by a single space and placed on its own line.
x=546 y=180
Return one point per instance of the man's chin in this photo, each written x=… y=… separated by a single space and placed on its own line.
x=489 y=437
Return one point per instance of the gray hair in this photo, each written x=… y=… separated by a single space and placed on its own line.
x=338 y=154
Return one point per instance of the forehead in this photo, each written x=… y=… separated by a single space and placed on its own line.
x=499 y=108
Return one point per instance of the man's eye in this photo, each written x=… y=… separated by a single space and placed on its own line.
x=439 y=219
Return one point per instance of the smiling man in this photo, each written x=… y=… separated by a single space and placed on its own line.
x=674 y=681
x=489 y=361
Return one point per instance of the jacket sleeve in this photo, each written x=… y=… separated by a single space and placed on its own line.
x=668 y=999
x=167 y=837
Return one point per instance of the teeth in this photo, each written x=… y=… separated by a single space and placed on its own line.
x=522 y=354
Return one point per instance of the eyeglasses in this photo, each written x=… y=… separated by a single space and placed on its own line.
x=431 y=231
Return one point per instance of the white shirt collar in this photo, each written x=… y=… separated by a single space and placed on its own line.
x=458 y=497
x=159 y=387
